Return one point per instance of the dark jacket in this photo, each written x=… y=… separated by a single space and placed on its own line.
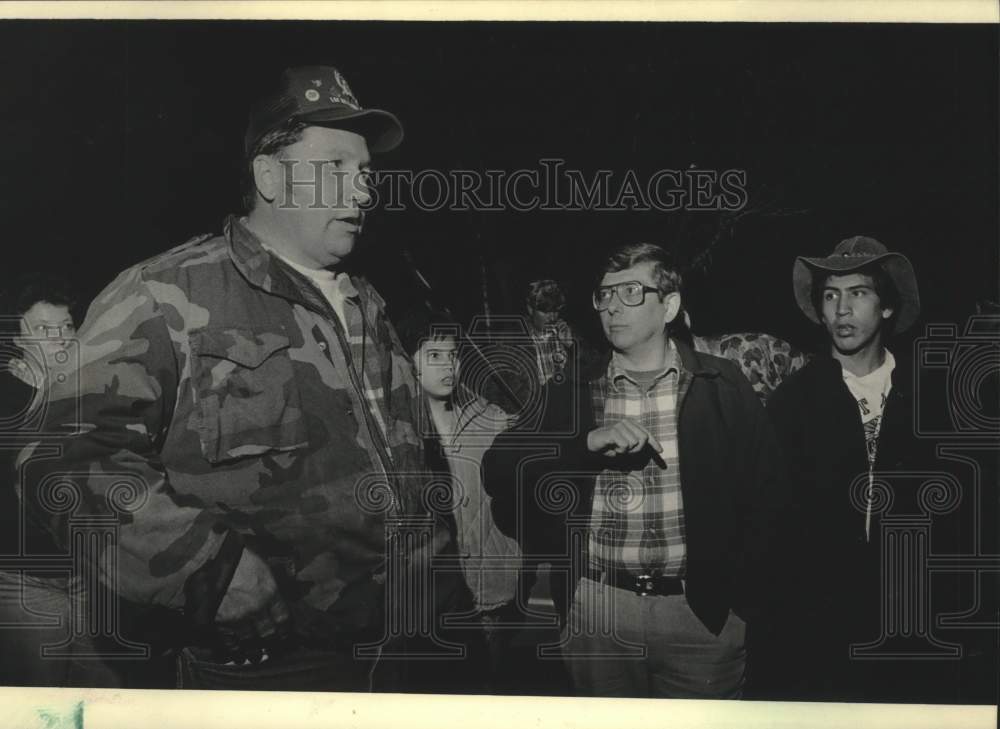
x=823 y=442
x=730 y=479
x=834 y=594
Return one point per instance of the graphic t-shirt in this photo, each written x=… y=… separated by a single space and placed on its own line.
x=870 y=393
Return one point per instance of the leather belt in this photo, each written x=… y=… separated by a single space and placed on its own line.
x=642 y=585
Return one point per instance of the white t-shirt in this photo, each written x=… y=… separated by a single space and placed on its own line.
x=327 y=281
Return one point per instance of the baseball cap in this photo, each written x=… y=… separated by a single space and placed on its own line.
x=320 y=95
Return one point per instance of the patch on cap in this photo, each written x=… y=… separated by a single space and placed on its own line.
x=340 y=92
x=312 y=95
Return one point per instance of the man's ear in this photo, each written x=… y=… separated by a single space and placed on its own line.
x=266 y=176
x=673 y=303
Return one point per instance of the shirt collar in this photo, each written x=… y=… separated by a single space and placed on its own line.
x=883 y=370
x=616 y=371
x=261 y=268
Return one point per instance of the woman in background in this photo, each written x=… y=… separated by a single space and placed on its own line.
x=36 y=606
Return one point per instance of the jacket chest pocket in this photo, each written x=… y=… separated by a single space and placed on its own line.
x=247 y=401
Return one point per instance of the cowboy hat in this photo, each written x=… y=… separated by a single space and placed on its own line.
x=849 y=256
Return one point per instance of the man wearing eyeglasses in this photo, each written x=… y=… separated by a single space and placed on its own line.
x=672 y=464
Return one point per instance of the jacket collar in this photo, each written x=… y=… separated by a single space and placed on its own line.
x=694 y=362
x=265 y=270
x=902 y=376
x=248 y=255
x=691 y=362
x=616 y=371
x=468 y=407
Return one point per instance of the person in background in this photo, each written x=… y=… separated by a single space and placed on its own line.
x=530 y=349
x=544 y=303
x=765 y=359
x=458 y=427
x=41 y=327
x=41 y=334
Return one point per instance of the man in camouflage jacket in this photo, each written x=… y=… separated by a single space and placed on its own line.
x=258 y=400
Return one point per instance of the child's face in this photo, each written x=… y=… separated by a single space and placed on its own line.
x=437 y=367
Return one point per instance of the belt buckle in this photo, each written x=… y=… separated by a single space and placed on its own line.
x=644 y=585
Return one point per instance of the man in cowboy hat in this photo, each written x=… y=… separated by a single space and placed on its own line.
x=845 y=425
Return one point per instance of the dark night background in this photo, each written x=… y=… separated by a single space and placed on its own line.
x=122 y=139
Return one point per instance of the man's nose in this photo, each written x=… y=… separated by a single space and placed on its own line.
x=843 y=306
x=361 y=193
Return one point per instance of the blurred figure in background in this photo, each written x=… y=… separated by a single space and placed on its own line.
x=766 y=360
x=36 y=606
x=544 y=303
x=40 y=325
x=530 y=348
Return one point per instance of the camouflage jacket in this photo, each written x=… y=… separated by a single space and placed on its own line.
x=219 y=408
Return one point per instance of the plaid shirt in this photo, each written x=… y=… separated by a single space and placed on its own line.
x=355 y=352
x=637 y=522
x=363 y=353
x=350 y=327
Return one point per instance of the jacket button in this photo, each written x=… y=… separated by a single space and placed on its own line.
x=322 y=345
x=349 y=411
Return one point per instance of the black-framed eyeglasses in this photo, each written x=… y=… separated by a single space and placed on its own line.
x=630 y=293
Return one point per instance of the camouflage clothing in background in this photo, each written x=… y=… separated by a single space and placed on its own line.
x=765 y=360
x=223 y=382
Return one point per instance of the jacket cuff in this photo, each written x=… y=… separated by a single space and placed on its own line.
x=575 y=452
x=207 y=585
